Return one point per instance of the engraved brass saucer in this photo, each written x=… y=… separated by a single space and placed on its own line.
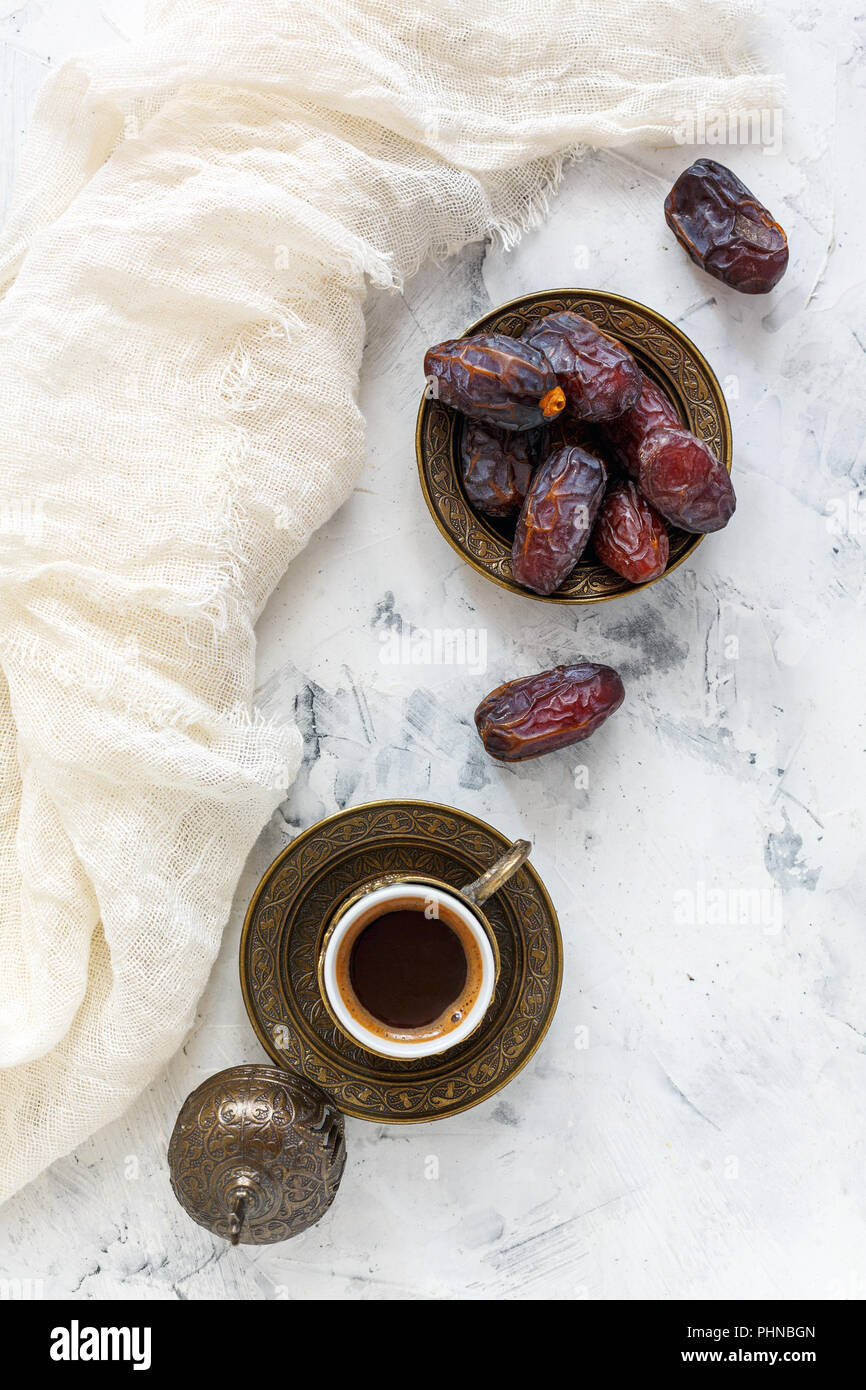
x=282 y=938
x=664 y=353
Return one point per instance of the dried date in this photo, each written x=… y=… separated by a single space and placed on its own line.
x=630 y=537
x=494 y=378
x=539 y=714
x=725 y=230
x=496 y=466
x=557 y=517
x=599 y=376
x=682 y=478
x=626 y=433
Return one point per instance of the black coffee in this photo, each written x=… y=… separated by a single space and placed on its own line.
x=406 y=968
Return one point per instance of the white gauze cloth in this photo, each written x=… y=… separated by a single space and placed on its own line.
x=184 y=272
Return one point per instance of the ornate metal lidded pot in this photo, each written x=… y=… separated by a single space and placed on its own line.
x=257 y=1154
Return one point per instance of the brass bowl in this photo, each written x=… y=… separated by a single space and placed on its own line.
x=661 y=350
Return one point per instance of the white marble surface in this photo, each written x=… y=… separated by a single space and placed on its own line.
x=693 y=1124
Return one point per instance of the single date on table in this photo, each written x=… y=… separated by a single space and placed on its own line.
x=725 y=230
x=539 y=714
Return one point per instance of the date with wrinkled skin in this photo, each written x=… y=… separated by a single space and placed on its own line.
x=539 y=714
x=682 y=478
x=626 y=433
x=630 y=536
x=496 y=466
x=556 y=519
x=494 y=378
x=725 y=230
x=599 y=376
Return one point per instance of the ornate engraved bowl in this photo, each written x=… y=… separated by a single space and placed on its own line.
x=661 y=350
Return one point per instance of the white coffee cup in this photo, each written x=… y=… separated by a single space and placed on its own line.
x=460 y=910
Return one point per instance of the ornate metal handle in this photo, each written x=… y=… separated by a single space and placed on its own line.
x=480 y=890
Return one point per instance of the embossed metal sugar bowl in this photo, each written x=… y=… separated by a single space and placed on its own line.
x=257 y=1154
x=661 y=349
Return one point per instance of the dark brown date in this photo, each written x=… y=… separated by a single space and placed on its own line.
x=682 y=478
x=496 y=466
x=626 y=433
x=630 y=536
x=557 y=517
x=494 y=378
x=725 y=230
x=538 y=714
x=599 y=376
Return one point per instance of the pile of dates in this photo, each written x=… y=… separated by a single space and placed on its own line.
x=633 y=467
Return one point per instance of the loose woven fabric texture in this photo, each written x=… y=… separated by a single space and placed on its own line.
x=196 y=221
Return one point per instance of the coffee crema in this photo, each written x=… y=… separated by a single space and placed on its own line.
x=404 y=974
